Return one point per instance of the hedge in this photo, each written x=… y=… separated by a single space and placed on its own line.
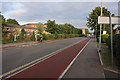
x=46 y=37
x=104 y=38
x=60 y=36
x=116 y=46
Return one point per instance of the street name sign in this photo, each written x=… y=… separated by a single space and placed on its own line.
x=106 y=20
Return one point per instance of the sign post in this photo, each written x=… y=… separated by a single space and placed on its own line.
x=111 y=40
x=109 y=20
x=100 y=31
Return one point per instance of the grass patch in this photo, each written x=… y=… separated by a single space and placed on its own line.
x=106 y=58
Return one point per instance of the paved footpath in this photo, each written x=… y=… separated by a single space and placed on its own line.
x=87 y=65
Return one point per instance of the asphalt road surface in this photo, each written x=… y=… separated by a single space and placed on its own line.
x=18 y=56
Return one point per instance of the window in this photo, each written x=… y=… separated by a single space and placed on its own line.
x=8 y=29
x=20 y=30
x=13 y=29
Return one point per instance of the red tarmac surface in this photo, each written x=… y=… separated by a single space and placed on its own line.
x=54 y=66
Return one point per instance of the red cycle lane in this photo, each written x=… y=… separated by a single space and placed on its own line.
x=54 y=66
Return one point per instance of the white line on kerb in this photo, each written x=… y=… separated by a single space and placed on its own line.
x=103 y=64
x=60 y=77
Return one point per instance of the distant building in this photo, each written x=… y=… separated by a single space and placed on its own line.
x=117 y=30
x=16 y=29
x=83 y=30
x=34 y=25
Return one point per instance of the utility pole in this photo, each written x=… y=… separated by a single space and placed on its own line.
x=100 y=31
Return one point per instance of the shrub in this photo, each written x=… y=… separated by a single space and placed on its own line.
x=104 y=38
x=116 y=46
x=81 y=35
x=33 y=36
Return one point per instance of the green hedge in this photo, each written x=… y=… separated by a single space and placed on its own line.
x=60 y=36
x=46 y=37
x=104 y=37
x=116 y=46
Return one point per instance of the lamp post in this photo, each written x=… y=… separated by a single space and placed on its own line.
x=100 y=31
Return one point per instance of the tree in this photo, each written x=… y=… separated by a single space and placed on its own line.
x=2 y=21
x=40 y=28
x=93 y=19
x=12 y=21
x=22 y=35
x=52 y=26
x=86 y=31
x=33 y=36
x=11 y=37
x=23 y=32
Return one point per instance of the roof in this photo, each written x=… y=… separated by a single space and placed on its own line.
x=31 y=23
x=18 y=26
x=118 y=27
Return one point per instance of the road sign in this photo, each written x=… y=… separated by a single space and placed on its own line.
x=106 y=20
x=109 y=20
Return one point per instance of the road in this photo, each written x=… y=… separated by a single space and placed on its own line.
x=18 y=56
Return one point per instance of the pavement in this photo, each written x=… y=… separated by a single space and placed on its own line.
x=22 y=44
x=25 y=44
x=87 y=65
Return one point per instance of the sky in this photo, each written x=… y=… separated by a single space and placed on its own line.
x=72 y=12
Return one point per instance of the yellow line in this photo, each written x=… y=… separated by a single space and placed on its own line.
x=5 y=74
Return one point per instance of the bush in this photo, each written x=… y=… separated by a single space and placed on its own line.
x=33 y=36
x=116 y=46
x=81 y=35
x=11 y=37
x=104 y=38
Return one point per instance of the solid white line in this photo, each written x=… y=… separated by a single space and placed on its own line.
x=44 y=58
x=60 y=77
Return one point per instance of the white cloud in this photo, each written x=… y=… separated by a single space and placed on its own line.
x=17 y=13
x=60 y=0
x=63 y=12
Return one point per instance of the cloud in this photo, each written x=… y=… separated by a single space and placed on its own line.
x=17 y=13
x=59 y=0
x=63 y=12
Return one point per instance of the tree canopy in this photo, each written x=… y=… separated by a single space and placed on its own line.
x=92 y=19
x=2 y=20
x=40 y=28
x=12 y=21
x=54 y=28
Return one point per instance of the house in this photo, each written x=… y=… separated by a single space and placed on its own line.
x=16 y=30
x=117 y=30
x=34 y=25
x=83 y=30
